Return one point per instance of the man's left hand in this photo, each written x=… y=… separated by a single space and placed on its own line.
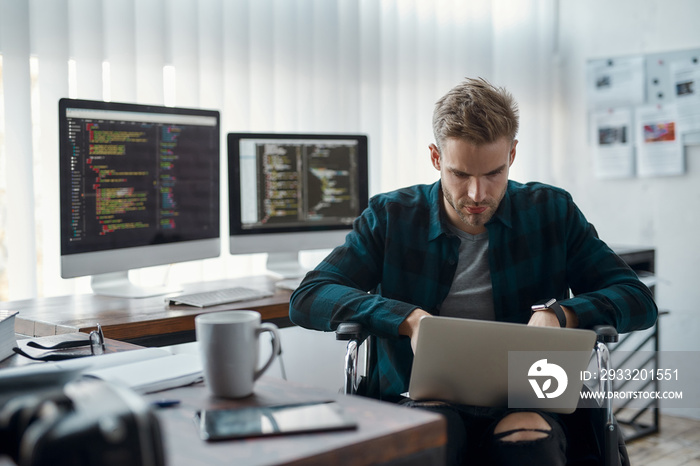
x=547 y=318
x=544 y=318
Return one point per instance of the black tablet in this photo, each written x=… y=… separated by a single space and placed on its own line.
x=221 y=424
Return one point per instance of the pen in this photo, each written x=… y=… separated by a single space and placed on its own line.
x=165 y=403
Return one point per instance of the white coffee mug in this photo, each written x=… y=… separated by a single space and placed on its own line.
x=229 y=347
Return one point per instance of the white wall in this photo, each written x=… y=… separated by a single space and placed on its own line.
x=658 y=212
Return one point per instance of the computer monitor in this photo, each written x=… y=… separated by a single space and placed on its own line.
x=294 y=192
x=139 y=187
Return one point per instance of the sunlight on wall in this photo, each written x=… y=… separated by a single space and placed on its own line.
x=37 y=166
x=169 y=86
x=106 y=82
x=72 y=79
x=4 y=292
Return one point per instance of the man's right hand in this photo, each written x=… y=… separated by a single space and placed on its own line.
x=411 y=325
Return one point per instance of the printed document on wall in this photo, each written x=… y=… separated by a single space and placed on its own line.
x=613 y=141
x=659 y=148
x=615 y=82
x=686 y=86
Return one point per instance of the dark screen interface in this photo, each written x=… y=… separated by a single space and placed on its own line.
x=138 y=178
x=299 y=183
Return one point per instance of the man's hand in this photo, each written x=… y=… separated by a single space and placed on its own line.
x=411 y=325
x=544 y=318
x=547 y=318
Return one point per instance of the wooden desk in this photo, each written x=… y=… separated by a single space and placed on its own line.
x=386 y=433
x=143 y=321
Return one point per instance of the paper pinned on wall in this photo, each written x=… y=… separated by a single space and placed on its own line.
x=613 y=141
x=686 y=85
x=659 y=148
x=615 y=82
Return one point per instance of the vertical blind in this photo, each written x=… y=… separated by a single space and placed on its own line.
x=370 y=66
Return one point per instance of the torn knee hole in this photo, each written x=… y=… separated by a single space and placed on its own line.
x=522 y=435
x=522 y=426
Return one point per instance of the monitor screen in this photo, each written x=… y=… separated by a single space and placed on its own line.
x=139 y=186
x=293 y=192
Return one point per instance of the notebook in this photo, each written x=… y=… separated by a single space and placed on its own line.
x=144 y=370
x=497 y=364
x=7 y=333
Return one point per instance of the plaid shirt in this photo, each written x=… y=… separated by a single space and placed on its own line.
x=401 y=256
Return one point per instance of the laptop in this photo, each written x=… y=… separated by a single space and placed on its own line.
x=498 y=364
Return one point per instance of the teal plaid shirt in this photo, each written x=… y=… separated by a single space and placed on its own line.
x=400 y=255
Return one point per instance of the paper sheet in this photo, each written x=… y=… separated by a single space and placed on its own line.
x=615 y=82
x=686 y=85
x=612 y=138
x=153 y=375
x=659 y=148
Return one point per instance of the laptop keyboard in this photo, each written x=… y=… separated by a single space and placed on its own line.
x=223 y=296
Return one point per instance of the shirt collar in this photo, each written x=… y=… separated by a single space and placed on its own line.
x=504 y=211
x=437 y=225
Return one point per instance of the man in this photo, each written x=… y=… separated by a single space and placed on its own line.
x=475 y=245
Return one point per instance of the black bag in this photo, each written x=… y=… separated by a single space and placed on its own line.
x=84 y=422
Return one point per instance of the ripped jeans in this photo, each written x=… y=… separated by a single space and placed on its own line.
x=471 y=439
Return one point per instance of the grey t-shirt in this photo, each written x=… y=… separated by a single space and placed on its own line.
x=471 y=294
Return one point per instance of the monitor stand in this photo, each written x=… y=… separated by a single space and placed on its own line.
x=117 y=284
x=285 y=264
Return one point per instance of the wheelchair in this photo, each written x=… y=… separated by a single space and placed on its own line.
x=593 y=433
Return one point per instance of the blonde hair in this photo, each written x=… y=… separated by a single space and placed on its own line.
x=477 y=112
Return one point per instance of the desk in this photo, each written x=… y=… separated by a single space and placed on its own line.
x=386 y=433
x=144 y=321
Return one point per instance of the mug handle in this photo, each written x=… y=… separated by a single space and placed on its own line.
x=272 y=328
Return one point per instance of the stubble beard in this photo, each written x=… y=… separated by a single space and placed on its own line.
x=473 y=220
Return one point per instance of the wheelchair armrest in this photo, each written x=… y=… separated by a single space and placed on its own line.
x=355 y=334
x=606 y=333
x=347 y=331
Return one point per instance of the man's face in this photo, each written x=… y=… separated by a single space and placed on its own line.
x=474 y=179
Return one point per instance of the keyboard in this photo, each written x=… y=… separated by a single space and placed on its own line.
x=290 y=284
x=223 y=296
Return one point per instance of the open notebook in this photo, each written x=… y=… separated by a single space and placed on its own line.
x=143 y=370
